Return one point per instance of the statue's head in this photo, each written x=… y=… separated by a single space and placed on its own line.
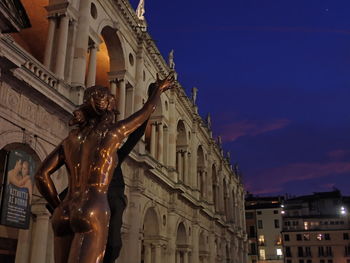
x=98 y=98
x=98 y=103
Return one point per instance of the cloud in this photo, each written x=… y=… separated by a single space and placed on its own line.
x=273 y=180
x=235 y=130
x=338 y=155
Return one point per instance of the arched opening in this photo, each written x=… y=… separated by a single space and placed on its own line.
x=234 y=210
x=201 y=172
x=203 y=249
x=157 y=135
x=18 y=164
x=182 y=153
x=108 y=56
x=181 y=244
x=228 y=255
x=215 y=188
x=225 y=200
x=151 y=239
x=33 y=39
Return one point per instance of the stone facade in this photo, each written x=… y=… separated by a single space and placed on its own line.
x=185 y=202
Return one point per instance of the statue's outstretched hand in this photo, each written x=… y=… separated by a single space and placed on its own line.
x=166 y=83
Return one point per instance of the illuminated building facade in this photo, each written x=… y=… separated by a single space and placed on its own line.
x=264 y=225
x=316 y=228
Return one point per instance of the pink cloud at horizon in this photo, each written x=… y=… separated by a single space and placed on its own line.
x=338 y=154
x=273 y=180
x=235 y=130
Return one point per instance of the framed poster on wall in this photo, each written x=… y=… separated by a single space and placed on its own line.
x=18 y=179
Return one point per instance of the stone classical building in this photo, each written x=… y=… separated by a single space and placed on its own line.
x=185 y=202
x=316 y=228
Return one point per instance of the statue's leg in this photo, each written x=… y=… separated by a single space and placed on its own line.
x=114 y=242
x=63 y=234
x=90 y=225
x=89 y=247
x=62 y=247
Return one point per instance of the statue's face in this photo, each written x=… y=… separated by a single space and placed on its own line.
x=100 y=101
x=98 y=98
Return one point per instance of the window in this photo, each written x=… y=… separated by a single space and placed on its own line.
x=346 y=236
x=327 y=236
x=300 y=252
x=252 y=231
x=249 y=215
x=307 y=251
x=298 y=237
x=289 y=261
x=275 y=212
x=286 y=237
x=288 y=252
x=322 y=261
x=309 y=261
x=253 y=248
x=279 y=252
x=262 y=254
x=330 y=260
x=306 y=237
x=347 y=251
x=277 y=223
x=261 y=240
x=329 y=251
x=259 y=212
x=260 y=224
x=320 y=252
x=301 y=260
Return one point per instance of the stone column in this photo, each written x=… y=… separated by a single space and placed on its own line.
x=133 y=240
x=121 y=101
x=185 y=173
x=49 y=42
x=179 y=164
x=62 y=46
x=166 y=146
x=71 y=45
x=113 y=87
x=195 y=244
x=205 y=185
x=23 y=245
x=148 y=253
x=186 y=257
x=178 y=257
x=172 y=131
x=172 y=233
x=221 y=197
x=153 y=140
x=81 y=44
x=158 y=254
x=39 y=240
x=91 y=77
x=212 y=248
x=160 y=142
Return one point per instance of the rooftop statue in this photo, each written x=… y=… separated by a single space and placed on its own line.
x=81 y=220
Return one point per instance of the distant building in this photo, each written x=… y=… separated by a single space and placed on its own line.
x=264 y=225
x=316 y=228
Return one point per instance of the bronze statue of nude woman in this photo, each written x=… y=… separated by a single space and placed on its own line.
x=80 y=221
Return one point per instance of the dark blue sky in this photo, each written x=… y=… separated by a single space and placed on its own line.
x=275 y=76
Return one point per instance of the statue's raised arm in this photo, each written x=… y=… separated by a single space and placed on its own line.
x=127 y=126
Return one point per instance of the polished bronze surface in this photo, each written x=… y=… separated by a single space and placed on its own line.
x=80 y=221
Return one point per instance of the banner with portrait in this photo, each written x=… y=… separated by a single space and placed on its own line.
x=17 y=189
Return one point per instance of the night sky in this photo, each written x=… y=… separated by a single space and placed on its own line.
x=275 y=76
